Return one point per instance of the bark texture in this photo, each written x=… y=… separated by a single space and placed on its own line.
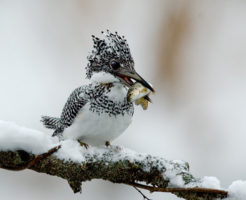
x=153 y=171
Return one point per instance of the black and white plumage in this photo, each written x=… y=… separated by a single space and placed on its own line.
x=99 y=112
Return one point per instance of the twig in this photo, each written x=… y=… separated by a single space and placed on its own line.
x=173 y=190
x=33 y=161
x=42 y=156
x=180 y=191
x=144 y=197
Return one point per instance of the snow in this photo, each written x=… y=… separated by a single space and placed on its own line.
x=237 y=190
x=210 y=182
x=173 y=172
x=71 y=150
x=14 y=137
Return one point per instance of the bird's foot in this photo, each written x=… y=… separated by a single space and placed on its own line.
x=113 y=147
x=83 y=144
x=107 y=144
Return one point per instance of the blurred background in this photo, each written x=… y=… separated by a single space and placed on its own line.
x=193 y=52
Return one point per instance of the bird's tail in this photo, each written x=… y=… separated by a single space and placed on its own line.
x=50 y=122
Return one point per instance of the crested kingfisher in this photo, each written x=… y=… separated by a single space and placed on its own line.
x=99 y=112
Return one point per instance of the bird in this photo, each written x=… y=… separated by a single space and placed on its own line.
x=99 y=112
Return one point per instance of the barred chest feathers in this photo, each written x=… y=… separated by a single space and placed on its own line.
x=105 y=116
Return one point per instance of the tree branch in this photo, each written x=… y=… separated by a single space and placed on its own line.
x=118 y=166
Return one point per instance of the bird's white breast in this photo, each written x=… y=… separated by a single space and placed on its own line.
x=97 y=128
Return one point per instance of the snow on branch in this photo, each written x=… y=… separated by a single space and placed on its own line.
x=22 y=148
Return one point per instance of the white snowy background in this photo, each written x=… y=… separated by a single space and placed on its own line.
x=193 y=52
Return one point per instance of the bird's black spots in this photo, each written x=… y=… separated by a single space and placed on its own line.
x=113 y=47
x=100 y=102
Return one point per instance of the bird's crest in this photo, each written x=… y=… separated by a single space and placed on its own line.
x=112 y=46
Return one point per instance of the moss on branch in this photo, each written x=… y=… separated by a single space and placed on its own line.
x=155 y=172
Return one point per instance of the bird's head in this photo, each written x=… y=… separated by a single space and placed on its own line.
x=112 y=56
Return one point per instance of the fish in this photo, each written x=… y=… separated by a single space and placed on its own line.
x=143 y=102
x=139 y=94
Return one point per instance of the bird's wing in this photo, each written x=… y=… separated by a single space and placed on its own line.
x=73 y=105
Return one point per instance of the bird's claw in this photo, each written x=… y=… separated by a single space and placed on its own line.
x=107 y=144
x=83 y=144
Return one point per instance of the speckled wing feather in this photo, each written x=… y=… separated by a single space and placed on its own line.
x=72 y=107
x=50 y=122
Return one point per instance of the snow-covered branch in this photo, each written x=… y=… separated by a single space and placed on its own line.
x=22 y=148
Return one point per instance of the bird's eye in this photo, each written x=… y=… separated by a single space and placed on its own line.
x=115 y=65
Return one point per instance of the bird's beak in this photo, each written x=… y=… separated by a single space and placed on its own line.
x=127 y=74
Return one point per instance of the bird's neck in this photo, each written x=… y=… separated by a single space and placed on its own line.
x=115 y=91
x=103 y=78
x=110 y=86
